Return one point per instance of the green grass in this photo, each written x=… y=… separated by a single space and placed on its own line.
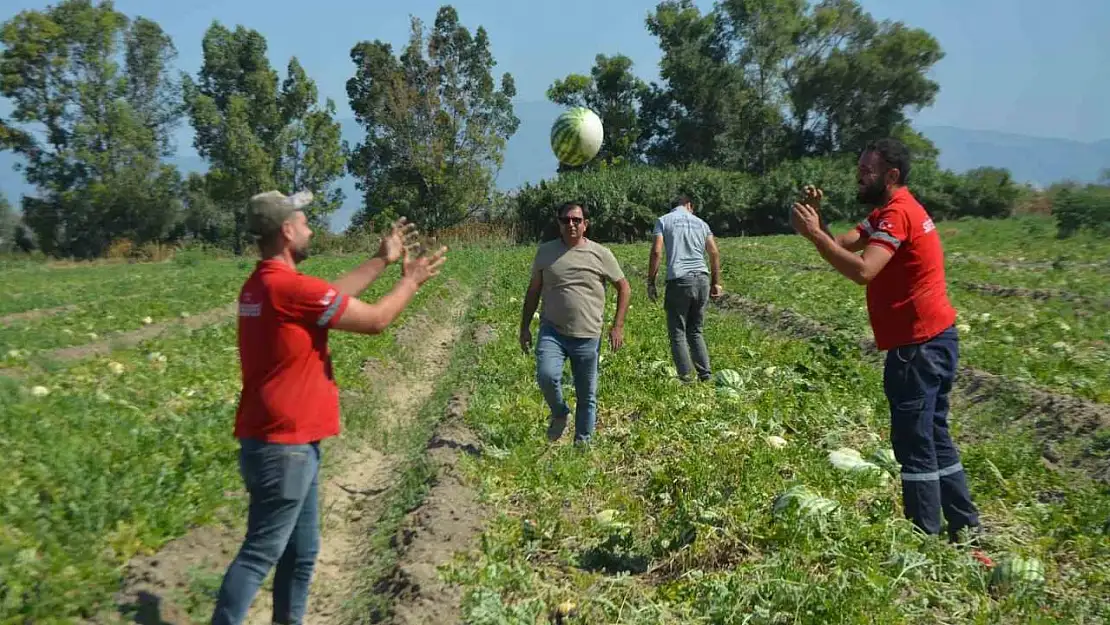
x=692 y=483
x=108 y=465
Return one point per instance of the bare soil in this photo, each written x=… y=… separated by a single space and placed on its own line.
x=130 y=339
x=1034 y=294
x=37 y=313
x=445 y=524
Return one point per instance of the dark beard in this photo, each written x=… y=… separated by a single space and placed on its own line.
x=873 y=194
x=300 y=254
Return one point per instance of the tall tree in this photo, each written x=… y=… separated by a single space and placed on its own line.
x=754 y=82
x=616 y=95
x=684 y=118
x=257 y=135
x=436 y=124
x=99 y=85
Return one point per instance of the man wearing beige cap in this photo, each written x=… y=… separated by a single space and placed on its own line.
x=289 y=401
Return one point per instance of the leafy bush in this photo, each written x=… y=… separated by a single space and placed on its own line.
x=624 y=202
x=1082 y=208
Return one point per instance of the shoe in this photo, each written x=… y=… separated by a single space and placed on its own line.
x=555 y=428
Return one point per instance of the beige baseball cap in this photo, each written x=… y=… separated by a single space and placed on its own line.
x=267 y=211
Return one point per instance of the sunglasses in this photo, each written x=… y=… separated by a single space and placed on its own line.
x=568 y=220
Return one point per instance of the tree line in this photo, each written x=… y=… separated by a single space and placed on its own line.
x=747 y=87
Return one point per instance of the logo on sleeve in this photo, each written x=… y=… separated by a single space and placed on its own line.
x=328 y=297
x=248 y=307
x=928 y=226
x=885 y=225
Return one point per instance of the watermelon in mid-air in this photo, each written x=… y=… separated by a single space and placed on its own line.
x=576 y=136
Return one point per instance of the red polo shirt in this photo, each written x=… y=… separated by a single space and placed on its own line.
x=289 y=393
x=907 y=301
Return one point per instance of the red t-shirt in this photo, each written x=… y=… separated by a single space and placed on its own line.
x=907 y=301
x=289 y=393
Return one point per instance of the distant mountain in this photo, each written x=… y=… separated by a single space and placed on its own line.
x=1036 y=160
x=528 y=157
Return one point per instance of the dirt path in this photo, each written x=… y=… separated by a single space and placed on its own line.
x=445 y=523
x=36 y=313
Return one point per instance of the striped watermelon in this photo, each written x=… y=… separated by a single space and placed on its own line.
x=804 y=501
x=576 y=136
x=1018 y=571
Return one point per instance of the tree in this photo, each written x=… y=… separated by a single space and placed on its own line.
x=99 y=85
x=616 y=95
x=256 y=135
x=436 y=126
x=9 y=222
x=684 y=118
x=755 y=82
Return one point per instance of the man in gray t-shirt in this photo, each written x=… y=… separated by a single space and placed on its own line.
x=688 y=285
x=570 y=274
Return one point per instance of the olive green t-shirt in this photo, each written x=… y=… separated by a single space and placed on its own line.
x=574 y=280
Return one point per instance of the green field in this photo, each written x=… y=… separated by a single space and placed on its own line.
x=668 y=517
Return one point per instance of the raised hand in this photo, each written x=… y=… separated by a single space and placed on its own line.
x=423 y=267
x=401 y=236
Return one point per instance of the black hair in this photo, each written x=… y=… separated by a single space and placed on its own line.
x=681 y=200
x=894 y=153
x=567 y=206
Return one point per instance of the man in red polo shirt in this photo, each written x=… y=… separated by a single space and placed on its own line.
x=289 y=401
x=902 y=266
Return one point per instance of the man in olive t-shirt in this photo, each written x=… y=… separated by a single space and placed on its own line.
x=570 y=274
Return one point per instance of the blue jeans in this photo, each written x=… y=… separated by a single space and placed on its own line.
x=282 y=529
x=552 y=351
x=917 y=380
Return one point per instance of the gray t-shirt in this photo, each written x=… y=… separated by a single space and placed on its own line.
x=574 y=279
x=684 y=236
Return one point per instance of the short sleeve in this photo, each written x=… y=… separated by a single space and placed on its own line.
x=889 y=228
x=536 y=266
x=312 y=301
x=610 y=266
x=658 y=231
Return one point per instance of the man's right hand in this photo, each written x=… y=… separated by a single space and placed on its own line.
x=716 y=291
x=525 y=340
x=652 y=291
x=423 y=268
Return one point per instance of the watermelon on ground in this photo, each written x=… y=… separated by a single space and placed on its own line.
x=1018 y=571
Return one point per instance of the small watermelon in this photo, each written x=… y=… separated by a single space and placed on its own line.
x=728 y=382
x=805 y=501
x=1018 y=571
x=848 y=459
x=576 y=136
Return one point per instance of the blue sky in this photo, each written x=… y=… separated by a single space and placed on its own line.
x=1020 y=66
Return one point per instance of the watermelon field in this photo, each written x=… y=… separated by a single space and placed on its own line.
x=739 y=501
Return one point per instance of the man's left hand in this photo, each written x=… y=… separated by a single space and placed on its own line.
x=616 y=338
x=806 y=220
x=402 y=235
x=652 y=292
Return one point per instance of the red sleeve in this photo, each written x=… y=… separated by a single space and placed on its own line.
x=312 y=301
x=889 y=228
